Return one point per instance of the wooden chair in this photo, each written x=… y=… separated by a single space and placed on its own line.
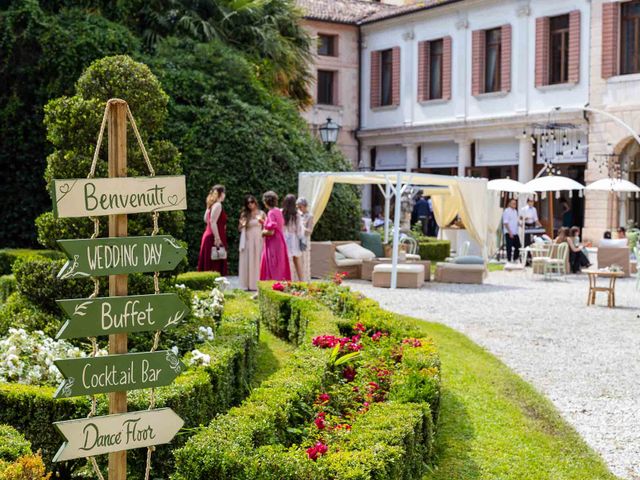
x=556 y=265
x=540 y=253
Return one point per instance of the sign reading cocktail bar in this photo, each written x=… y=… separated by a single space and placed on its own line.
x=95 y=197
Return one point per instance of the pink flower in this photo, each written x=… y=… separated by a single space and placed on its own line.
x=359 y=327
x=323 y=398
x=376 y=336
x=278 y=287
x=414 y=342
x=316 y=451
x=319 y=421
x=326 y=341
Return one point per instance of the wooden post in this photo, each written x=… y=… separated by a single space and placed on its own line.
x=117 y=131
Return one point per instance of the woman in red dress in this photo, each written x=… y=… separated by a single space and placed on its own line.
x=215 y=234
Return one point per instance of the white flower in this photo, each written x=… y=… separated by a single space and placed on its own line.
x=181 y=286
x=199 y=358
x=175 y=350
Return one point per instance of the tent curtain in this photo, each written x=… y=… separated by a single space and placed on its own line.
x=445 y=208
x=317 y=190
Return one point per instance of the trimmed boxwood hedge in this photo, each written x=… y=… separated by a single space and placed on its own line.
x=8 y=257
x=434 y=250
x=198 y=280
x=259 y=439
x=196 y=396
x=8 y=285
x=12 y=444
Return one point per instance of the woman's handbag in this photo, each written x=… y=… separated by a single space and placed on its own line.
x=218 y=253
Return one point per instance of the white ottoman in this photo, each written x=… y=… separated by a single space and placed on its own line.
x=410 y=275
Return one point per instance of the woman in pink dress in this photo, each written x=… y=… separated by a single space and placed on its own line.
x=274 y=264
x=215 y=233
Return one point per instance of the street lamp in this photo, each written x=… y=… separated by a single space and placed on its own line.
x=329 y=133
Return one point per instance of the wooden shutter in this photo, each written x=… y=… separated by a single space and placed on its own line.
x=423 y=70
x=610 y=37
x=477 y=58
x=505 y=60
x=375 y=79
x=574 y=46
x=542 y=51
x=395 y=76
x=446 y=68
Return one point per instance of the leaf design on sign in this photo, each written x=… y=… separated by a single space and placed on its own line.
x=68 y=385
x=174 y=363
x=72 y=270
x=172 y=242
x=81 y=309
x=175 y=319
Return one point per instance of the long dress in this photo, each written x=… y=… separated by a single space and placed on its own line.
x=205 y=264
x=292 y=234
x=274 y=264
x=250 y=253
x=307 y=227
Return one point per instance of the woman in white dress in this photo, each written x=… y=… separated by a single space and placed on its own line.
x=250 y=243
x=293 y=233
x=307 y=229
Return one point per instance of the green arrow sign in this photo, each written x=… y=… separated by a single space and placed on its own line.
x=117 y=373
x=86 y=437
x=119 y=255
x=109 y=315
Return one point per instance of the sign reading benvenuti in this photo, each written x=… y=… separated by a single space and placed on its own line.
x=96 y=197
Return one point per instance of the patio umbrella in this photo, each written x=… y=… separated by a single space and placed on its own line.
x=553 y=183
x=613 y=185
x=508 y=185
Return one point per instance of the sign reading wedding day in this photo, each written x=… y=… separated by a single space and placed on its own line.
x=86 y=437
x=100 y=257
x=117 y=373
x=95 y=197
x=108 y=315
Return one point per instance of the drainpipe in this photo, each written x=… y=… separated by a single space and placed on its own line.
x=359 y=116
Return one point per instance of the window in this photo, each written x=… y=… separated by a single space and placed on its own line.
x=326 y=85
x=435 y=69
x=386 y=77
x=630 y=37
x=327 y=45
x=493 y=59
x=559 y=49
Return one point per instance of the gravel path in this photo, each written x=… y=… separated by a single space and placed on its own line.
x=585 y=359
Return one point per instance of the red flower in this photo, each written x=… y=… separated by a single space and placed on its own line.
x=323 y=398
x=326 y=341
x=376 y=336
x=316 y=451
x=349 y=373
x=373 y=386
x=278 y=287
x=359 y=327
x=414 y=342
x=319 y=421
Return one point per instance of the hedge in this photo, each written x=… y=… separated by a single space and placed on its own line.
x=196 y=396
x=8 y=257
x=12 y=444
x=436 y=250
x=198 y=280
x=8 y=285
x=260 y=439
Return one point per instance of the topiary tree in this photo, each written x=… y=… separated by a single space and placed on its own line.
x=231 y=130
x=72 y=127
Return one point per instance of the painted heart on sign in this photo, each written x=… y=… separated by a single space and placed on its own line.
x=65 y=187
x=173 y=199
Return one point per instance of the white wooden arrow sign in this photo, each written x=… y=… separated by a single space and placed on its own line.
x=87 y=437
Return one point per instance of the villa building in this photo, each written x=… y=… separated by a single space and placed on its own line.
x=491 y=88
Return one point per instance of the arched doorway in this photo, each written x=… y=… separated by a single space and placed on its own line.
x=629 y=157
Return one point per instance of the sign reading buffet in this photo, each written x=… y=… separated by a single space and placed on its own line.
x=95 y=197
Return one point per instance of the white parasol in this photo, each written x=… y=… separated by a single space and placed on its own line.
x=553 y=183
x=613 y=185
x=508 y=185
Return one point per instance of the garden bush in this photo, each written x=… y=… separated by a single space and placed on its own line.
x=265 y=437
x=12 y=444
x=8 y=285
x=17 y=461
x=198 y=280
x=434 y=250
x=8 y=256
x=196 y=396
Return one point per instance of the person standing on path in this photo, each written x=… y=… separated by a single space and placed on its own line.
x=510 y=225
x=274 y=264
x=250 y=244
x=307 y=228
x=215 y=233
x=293 y=233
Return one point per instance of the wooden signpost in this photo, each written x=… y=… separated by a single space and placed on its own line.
x=99 y=257
x=109 y=315
x=111 y=433
x=118 y=314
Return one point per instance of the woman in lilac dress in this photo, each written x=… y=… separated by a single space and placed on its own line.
x=215 y=233
x=274 y=264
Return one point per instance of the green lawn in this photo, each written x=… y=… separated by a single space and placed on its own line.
x=494 y=425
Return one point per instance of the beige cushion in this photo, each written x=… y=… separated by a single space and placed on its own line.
x=348 y=262
x=614 y=243
x=461 y=267
x=413 y=257
x=402 y=268
x=353 y=250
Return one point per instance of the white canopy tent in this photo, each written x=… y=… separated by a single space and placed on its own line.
x=478 y=207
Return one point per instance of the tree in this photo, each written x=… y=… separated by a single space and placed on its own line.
x=72 y=127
